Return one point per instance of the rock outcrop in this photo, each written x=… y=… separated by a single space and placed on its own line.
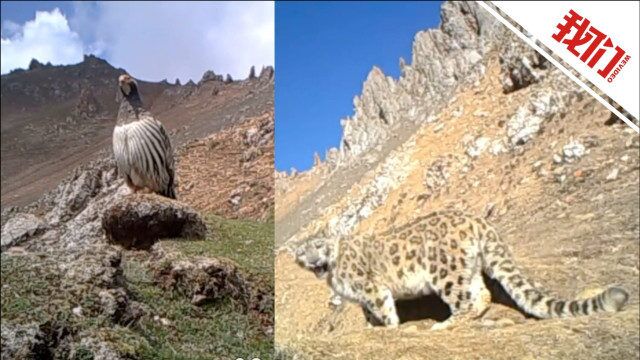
x=443 y=60
x=19 y=228
x=138 y=221
x=61 y=243
x=210 y=76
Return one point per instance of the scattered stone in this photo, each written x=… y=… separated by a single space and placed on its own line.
x=573 y=151
x=557 y=159
x=235 y=199
x=438 y=128
x=559 y=174
x=335 y=301
x=250 y=154
x=477 y=147
x=625 y=158
x=497 y=148
x=613 y=175
x=431 y=119
x=161 y=320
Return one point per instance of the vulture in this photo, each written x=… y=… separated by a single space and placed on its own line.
x=141 y=145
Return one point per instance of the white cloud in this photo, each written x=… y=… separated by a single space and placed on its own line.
x=47 y=38
x=184 y=39
x=9 y=28
x=152 y=41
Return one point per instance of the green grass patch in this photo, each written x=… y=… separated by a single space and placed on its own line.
x=36 y=289
x=215 y=331
x=248 y=243
x=218 y=330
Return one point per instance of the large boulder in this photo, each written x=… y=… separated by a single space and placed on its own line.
x=138 y=221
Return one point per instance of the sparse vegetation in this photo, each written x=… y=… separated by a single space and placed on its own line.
x=171 y=328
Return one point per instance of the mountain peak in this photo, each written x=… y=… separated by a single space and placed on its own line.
x=35 y=64
x=94 y=60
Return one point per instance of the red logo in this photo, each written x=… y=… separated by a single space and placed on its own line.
x=598 y=44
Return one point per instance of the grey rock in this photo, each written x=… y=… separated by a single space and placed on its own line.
x=613 y=175
x=266 y=73
x=210 y=76
x=22 y=341
x=520 y=64
x=19 y=228
x=138 y=221
x=554 y=99
x=442 y=60
x=572 y=151
x=98 y=346
x=497 y=147
x=35 y=64
x=477 y=147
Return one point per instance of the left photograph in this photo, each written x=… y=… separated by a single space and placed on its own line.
x=137 y=180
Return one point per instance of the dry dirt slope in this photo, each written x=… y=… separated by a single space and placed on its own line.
x=55 y=118
x=572 y=224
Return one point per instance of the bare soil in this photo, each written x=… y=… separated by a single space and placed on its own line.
x=230 y=173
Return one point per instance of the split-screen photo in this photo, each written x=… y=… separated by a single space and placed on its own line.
x=319 y=180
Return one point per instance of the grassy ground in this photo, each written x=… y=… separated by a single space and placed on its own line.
x=34 y=291
x=219 y=330
x=248 y=243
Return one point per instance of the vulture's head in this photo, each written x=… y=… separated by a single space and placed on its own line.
x=128 y=85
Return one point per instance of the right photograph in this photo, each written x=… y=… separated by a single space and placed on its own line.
x=445 y=191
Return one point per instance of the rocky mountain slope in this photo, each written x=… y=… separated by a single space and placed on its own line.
x=480 y=123
x=90 y=271
x=54 y=118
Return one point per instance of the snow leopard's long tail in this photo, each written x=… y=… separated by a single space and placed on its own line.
x=499 y=264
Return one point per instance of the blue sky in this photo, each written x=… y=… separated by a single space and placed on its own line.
x=152 y=41
x=324 y=52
